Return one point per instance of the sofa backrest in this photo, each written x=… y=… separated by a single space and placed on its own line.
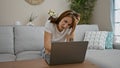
x=29 y=38
x=81 y=29
x=6 y=40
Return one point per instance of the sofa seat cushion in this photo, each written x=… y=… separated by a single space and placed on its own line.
x=28 y=55
x=109 y=58
x=7 y=57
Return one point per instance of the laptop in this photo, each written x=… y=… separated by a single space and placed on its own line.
x=67 y=52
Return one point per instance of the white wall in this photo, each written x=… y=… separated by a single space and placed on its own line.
x=101 y=15
x=18 y=10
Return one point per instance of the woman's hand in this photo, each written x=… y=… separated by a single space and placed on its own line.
x=69 y=38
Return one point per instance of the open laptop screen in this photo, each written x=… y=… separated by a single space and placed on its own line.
x=67 y=52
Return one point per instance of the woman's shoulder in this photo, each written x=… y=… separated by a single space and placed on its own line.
x=49 y=27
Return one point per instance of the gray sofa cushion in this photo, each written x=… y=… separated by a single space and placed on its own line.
x=28 y=55
x=108 y=58
x=6 y=39
x=29 y=38
x=81 y=29
x=7 y=57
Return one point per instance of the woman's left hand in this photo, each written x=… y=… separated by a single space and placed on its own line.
x=69 y=38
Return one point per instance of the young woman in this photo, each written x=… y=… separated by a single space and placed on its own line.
x=60 y=29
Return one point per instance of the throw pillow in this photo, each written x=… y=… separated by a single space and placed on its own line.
x=109 y=41
x=97 y=39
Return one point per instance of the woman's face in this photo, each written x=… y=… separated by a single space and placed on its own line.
x=65 y=23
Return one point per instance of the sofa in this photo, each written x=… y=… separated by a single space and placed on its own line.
x=19 y=43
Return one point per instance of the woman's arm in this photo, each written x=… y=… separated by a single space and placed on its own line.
x=47 y=42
